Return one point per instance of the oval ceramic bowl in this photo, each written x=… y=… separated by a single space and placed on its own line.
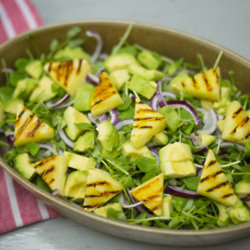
x=169 y=42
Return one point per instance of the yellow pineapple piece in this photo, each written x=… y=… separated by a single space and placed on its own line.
x=69 y=74
x=236 y=124
x=100 y=188
x=205 y=85
x=102 y=211
x=53 y=171
x=151 y=193
x=214 y=184
x=147 y=123
x=105 y=97
x=29 y=128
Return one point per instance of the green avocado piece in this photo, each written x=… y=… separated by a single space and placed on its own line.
x=223 y=217
x=148 y=60
x=242 y=188
x=69 y=53
x=119 y=78
x=142 y=86
x=44 y=90
x=34 y=69
x=108 y=136
x=173 y=119
x=83 y=97
x=85 y=142
x=118 y=61
x=150 y=74
x=102 y=211
x=160 y=139
x=24 y=88
x=12 y=105
x=24 y=166
x=75 y=185
x=239 y=213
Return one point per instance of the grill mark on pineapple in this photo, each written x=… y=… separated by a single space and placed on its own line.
x=48 y=170
x=237 y=112
x=142 y=127
x=20 y=115
x=101 y=194
x=215 y=71
x=145 y=110
x=211 y=163
x=194 y=83
x=49 y=182
x=155 y=118
x=25 y=124
x=217 y=186
x=211 y=176
x=158 y=207
x=69 y=67
x=227 y=195
x=152 y=197
x=183 y=84
x=32 y=133
x=244 y=121
x=208 y=86
x=92 y=206
x=79 y=67
x=50 y=67
x=247 y=135
x=100 y=183
x=145 y=187
x=43 y=162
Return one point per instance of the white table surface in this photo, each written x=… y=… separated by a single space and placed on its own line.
x=226 y=22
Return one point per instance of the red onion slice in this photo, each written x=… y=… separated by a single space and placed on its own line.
x=209 y=120
x=134 y=201
x=247 y=198
x=187 y=107
x=65 y=139
x=99 y=45
x=154 y=103
x=103 y=117
x=114 y=116
x=47 y=146
x=50 y=104
x=230 y=145
x=93 y=79
x=182 y=192
x=93 y=119
x=123 y=123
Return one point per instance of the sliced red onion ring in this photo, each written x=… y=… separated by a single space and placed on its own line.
x=125 y=205
x=93 y=119
x=134 y=201
x=187 y=107
x=123 y=123
x=114 y=116
x=50 y=104
x=99 y=45
x=223 y=153
x=182 y=192
x=65 y=139
x=155 y=154
x=7 y=70
x=10 y=140
x=132 y=97
x=103 y=117
x=154 y=103
x=161 y=100
x=198 y=171
x=230 y=145
x=210 y=121
x=47 y=146
x=247 y=198
x=66 y=105
x=93 y=79
x=103 y=56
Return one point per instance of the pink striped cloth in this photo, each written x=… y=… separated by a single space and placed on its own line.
x=17 y=206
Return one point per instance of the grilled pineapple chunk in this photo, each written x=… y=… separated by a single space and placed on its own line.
x=105 y=97
x=205 y=85
x=147 y=123
x=214 y=184
x=29 y=128
x=69 y=74
x=53 y=171
x=100 y=188
x=151 y=193
x=236 y=124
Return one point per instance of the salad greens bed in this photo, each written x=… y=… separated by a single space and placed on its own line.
x=131 y=135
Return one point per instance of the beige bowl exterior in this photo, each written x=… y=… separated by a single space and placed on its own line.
x=166 y=41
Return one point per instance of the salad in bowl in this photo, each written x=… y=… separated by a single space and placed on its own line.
x=131 y=135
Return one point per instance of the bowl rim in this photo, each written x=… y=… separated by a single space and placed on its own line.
x=77 y=210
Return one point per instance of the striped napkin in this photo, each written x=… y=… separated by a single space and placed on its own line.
x=17 y=206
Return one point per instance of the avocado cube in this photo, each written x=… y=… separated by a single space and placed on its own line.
x=148 y=60
x=142 y=86
x=85 y=142
x=34 y=69
x=24 y=166
x=119 y=77
x=11 y=106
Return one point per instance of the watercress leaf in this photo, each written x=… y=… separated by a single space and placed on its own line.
x=15 y=77
x=54 y=45
x=151 y=174
x=4 y=144
x=116 y=215
x=33 y=148
x=75 y=43
x=21 y=64
x=247 y=149
x=74 y=32
x=85 y=126
x=191 y=182
x=5 y=93
x=126 y=104
x=127 y=114
x=146 y=164
x=179 y=202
